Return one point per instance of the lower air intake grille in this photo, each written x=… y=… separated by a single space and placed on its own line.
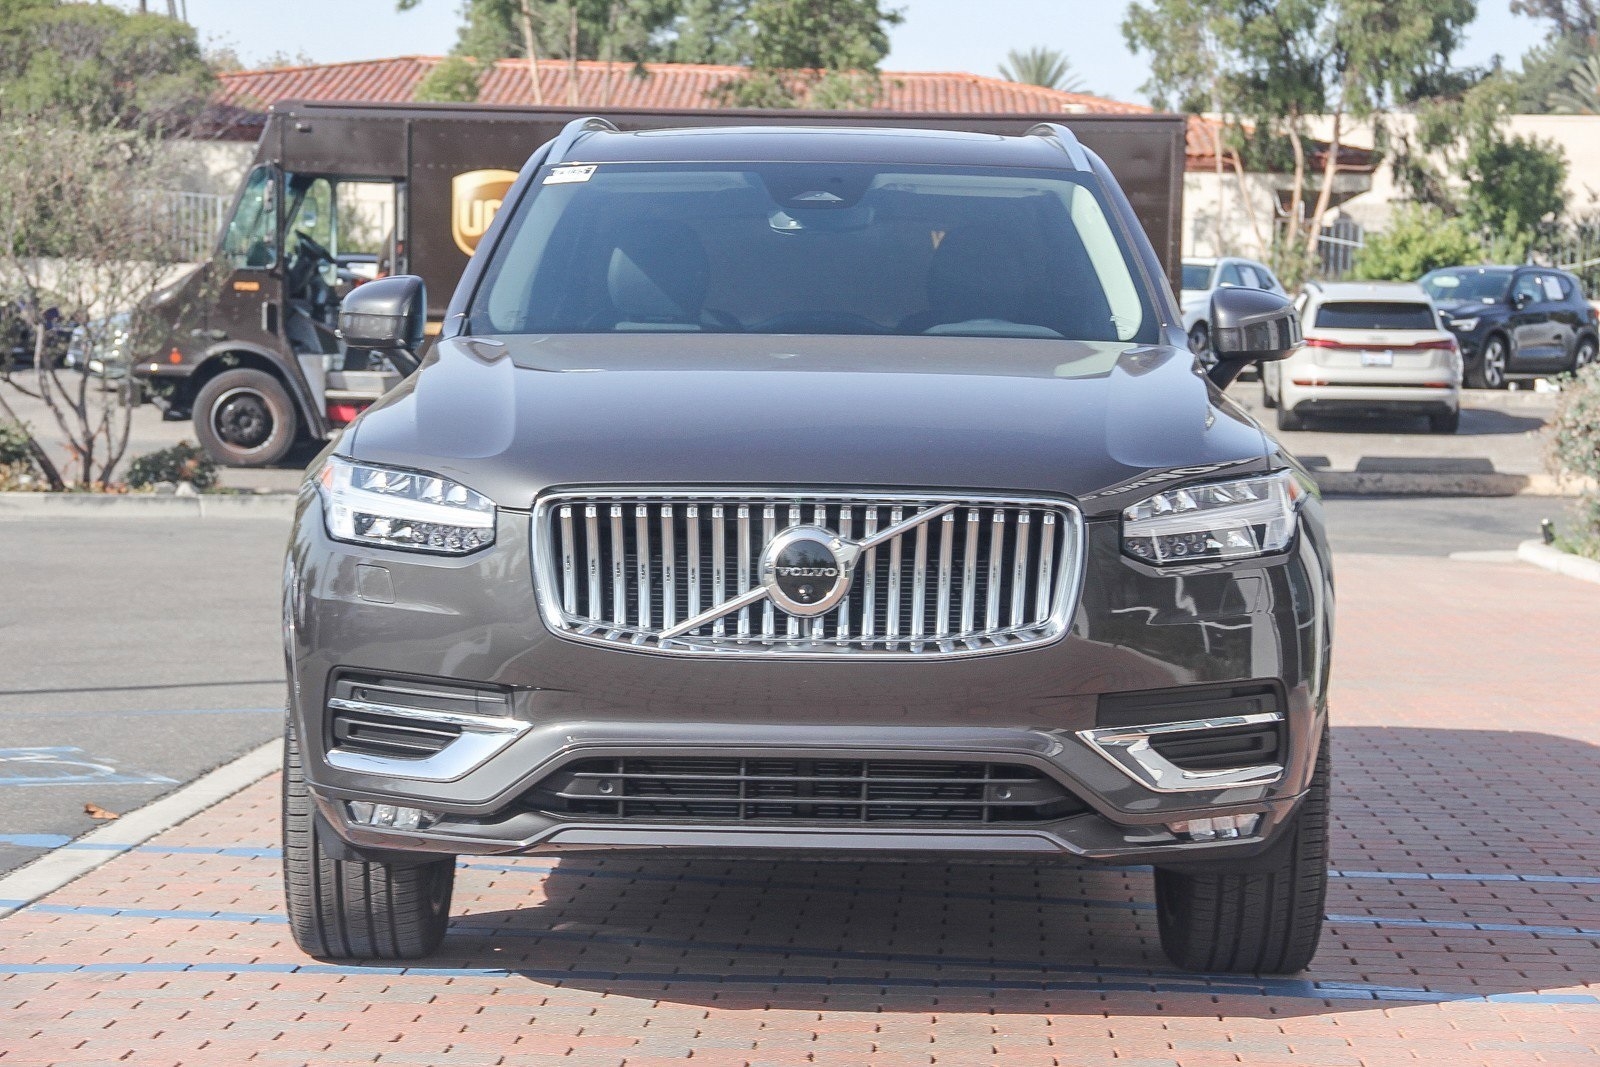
x=826 y=791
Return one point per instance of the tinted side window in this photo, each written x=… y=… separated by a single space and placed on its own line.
x=1230 y=275
x=1250 y=277
x=1528 y=288
x=1375 y=315
x=1555 y=289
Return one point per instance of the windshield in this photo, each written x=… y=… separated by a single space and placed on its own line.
x=812 y=248
x=1467 y=286
x=1197 y=275
x=1375 y=315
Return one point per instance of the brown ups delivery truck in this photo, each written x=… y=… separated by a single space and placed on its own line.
x=338 y=194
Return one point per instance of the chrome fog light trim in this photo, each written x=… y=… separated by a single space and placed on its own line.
x=482 y=737
x=1216 y=828
x=1128 y=749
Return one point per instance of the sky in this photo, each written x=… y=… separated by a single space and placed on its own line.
x=952 y=35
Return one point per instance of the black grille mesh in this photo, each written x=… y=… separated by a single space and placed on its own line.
x=824 y=791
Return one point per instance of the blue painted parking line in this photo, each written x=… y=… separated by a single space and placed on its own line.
x=35 y=840
x=67 y=765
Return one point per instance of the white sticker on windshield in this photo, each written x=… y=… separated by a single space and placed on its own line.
x=563 y=175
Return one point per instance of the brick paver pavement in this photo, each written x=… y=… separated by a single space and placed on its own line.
x=1464 y=913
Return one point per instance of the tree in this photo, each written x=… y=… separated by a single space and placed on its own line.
x=1280 y=62
x=1419 y=238
x=1515 y=187
x=1581 y=94
x=1578 y=19
x=708 y=31
x=1041 y=66
x=821 y=53
x=453 y=81
x=97 y=65
x=86 y=239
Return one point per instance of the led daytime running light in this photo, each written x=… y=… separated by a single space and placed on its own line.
x=371 y=505
x=1214 y=521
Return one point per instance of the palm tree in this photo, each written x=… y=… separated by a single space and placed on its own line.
x=1041 y=66
x=1582 y=93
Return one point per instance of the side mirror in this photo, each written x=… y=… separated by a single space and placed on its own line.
x=387 y=315
x=1250 y=326
x=1520 y=301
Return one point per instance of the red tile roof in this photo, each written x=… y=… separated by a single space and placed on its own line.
x=664 y=85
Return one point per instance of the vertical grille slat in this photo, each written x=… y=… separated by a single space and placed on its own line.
x=980 y=575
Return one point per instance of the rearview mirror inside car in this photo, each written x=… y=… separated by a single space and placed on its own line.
x=1250 y=326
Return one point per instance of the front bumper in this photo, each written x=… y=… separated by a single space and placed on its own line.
x=475 y=621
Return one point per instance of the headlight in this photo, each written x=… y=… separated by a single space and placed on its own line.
x=1215 y=521
x=1464 y=325
x=371 y=505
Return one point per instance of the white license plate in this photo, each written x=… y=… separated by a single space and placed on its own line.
x=1377 y=359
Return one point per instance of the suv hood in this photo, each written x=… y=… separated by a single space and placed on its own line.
x=1058 y=417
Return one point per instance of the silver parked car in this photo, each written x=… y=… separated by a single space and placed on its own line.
x=1371 y=348
x=1202 y=277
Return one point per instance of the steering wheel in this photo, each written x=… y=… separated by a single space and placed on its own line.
x=317 y=252
x=308 y=253
x=818 y=322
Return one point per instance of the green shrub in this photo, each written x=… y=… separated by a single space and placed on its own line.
x=1419 y=239
x=182 y=462
x=14 y=444
x=1575 y=451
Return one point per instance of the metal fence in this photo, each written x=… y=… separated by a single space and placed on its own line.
x=1337 y=246
x=1577 y=250
x=196 y=218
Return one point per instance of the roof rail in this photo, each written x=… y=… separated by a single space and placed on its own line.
x=573 y=131
x=1065 y=139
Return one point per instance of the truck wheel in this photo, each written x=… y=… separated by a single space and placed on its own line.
x=244 y=418
x=348 y=909
x=1266 y=919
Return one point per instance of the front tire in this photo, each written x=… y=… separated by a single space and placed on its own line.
x=1263 y=920
x=1490 y=370
x=244 y=418
x=349 y=909
x=1288 y=420
x=1584 y=354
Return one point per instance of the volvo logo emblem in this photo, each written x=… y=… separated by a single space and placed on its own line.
x=803 y=570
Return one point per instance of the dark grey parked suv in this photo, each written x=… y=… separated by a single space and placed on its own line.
x=811 y=489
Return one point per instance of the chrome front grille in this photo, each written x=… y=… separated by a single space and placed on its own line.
x=681 y=572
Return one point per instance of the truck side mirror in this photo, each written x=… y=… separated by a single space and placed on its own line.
x=1250 y=326
x=387 y=315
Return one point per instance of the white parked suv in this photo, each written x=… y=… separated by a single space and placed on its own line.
x=1202 y=277
x=1371 y=348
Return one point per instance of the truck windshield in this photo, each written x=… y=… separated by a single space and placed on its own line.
x=1474 y=286
x=812 y=248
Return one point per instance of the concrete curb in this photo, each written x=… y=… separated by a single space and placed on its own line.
x=275 y=506
x=1553 y=559
x=55 y=869
x=1428 y=483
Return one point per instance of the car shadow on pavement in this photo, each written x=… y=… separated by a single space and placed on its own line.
x=1475 y=422
x=1466 y=866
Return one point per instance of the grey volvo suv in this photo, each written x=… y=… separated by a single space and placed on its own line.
x=829 y=489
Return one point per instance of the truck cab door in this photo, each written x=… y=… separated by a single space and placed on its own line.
x=249 y=303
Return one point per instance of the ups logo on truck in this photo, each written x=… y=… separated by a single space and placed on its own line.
x=474 y=198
